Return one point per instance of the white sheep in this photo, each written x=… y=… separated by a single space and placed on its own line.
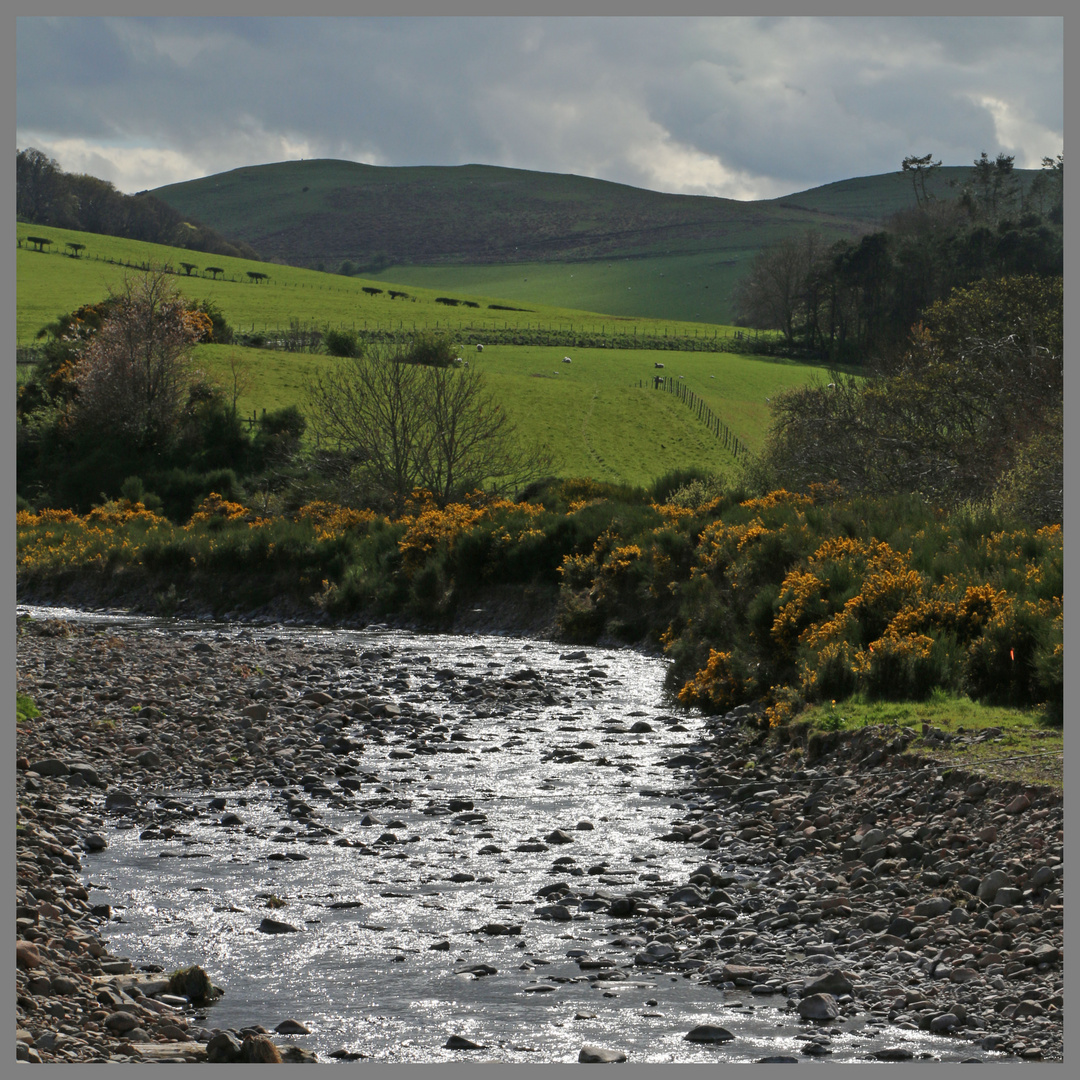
x=567 y=360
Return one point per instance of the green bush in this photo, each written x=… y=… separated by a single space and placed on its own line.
x=342 y=343
x=1003 y=666
x=902 y=669
x=432 y=349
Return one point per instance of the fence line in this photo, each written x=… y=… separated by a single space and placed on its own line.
x=702 y=411
x=690 y=339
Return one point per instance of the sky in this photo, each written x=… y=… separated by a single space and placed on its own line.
x=740 y=107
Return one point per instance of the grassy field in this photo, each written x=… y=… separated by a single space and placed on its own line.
x=592 y=412
x=693 y=287
x=51 y=282
x=599 y=414
x=1007 y=744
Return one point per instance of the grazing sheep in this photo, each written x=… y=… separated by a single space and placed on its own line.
x=658 y=365
x=479 y=348
x=567 y=360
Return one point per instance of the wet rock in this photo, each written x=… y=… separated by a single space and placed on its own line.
x=554 y=912
x=459 y=1042
x=708 y=1033
x=558 y=837
x=292 y=1027
x=599 y=1054
x=272 y=926
x=894 y=1053
x=818 y=1007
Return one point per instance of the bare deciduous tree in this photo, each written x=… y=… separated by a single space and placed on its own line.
x=133 y=377
x=402 y=425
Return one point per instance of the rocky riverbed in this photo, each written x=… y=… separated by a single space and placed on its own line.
x=882 y=908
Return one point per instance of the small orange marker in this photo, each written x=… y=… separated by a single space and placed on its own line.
x=1011 y=656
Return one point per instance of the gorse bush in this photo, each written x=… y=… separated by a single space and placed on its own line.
x=785 y=599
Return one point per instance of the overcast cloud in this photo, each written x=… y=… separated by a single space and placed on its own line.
x=739 y=107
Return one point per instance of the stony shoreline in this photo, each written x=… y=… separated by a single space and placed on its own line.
x=918 y=896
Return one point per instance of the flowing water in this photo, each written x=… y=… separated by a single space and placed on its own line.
x=387 y=933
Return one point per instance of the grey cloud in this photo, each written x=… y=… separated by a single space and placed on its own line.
x=790 y=102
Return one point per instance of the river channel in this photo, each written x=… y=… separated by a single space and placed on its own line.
x=500 y=767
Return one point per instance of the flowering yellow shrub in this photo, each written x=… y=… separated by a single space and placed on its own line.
x=330 y=519
x=800 y=593
x=672 y=513
x=777 y=498
x=432 y=527
x=214 y=506
x=123 y=512
x=716 y=686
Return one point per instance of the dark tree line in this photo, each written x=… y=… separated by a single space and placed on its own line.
x=857 y=299
x=970 y=411
x=46 y=195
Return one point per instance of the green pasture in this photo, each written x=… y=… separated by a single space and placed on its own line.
x=695 y=287
x=599 y=414
x=50 y=283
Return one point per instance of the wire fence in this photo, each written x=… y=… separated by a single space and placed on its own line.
x=702 y=410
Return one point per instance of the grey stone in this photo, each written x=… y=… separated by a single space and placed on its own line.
x=223 y=1048
x=50 y=767
x=990 y=884
x=708 y=1033
x=272 y=926
x=835 y=983
x=934 y=905
x=599 y=1054
x=120 y=1022
x=944 y=1022
x=818 y=1007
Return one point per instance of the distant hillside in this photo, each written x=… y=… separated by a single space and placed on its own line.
x=311 y=212
x=529 y=236
x=872 y=199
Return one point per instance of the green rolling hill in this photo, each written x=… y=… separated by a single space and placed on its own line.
x=543 y=237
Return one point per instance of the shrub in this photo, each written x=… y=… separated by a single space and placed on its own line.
x=1002 y=666
x=25 y=709
x=720 y=685
x=342 y=342
x=432 y=349
x=904 y=668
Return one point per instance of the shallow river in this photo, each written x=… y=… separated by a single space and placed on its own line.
x=385 y=935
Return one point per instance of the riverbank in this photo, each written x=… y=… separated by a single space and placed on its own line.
x=922 y=899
